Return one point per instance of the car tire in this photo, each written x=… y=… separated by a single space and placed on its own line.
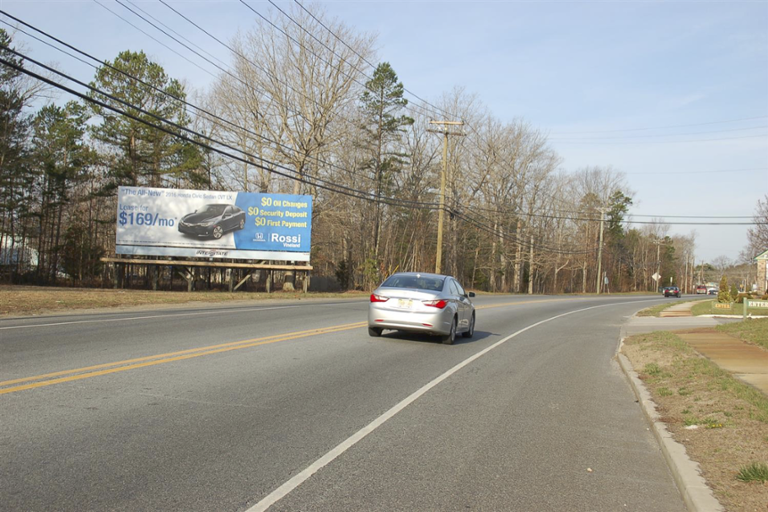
x=471 y=331
x=217 y=232
x=374 y=331
x=449 y=338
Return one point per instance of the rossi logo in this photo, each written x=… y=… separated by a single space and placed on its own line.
x=286 y=240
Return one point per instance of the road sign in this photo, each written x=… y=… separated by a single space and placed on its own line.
x=656 y=276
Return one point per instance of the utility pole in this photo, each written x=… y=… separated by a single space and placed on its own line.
x=602 y=211
x=658 y=243
x=446 y=133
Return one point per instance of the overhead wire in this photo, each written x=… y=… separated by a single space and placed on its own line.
x=171 y=29
x=762 y=127
x=270 y=169
x=472 y=128
x=367 y=196
x=304 y=178
x=156 y=89
x=664 y=141
x=664 y=127
x=226 y=71
x=153 y=38
x=362 y=57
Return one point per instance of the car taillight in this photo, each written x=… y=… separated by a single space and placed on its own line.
x=439 y=304
x=378 y=298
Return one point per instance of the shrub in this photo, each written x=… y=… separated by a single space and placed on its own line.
x=724 y=294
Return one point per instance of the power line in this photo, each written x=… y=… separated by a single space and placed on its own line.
x=699 y=172
x=161 y=91
x=560 y=216
x=271 y=169
x=762 y=127
x=664 y=141
x=170 y=29
x=664 y=127
x=330 y=186
x=154 y=39
x=226 y=71
x=447 y=114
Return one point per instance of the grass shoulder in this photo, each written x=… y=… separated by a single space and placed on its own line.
x=707 y=307
x=722 y=421
x=34 y=300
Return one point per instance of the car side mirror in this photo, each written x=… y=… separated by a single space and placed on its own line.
x=471 y=294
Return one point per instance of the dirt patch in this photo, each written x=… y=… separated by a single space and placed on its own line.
x=722 y=422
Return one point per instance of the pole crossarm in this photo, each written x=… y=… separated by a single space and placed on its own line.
x=444 y=132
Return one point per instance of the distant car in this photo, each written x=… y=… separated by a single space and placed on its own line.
x=213 y=220
x=701 y=289
x=420 y=302
x=712 y=291
x=672 y=291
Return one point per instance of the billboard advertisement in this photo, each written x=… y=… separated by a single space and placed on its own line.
x=211 y=224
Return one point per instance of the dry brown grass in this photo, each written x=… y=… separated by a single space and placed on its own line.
x=34 y=300
x=722 y=422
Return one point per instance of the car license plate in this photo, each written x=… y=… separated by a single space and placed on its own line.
x=404 y=303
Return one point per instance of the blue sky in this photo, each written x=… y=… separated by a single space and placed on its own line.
x=674 y=94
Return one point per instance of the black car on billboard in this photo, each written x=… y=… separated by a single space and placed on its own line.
x=213 y=220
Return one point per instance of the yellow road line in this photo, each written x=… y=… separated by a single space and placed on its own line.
x=163 y=358
x=143 y=362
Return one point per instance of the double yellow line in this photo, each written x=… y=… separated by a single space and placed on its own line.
x=49 y=379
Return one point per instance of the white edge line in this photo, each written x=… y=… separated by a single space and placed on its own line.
x=345 y=445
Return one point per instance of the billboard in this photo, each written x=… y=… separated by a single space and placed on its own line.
x=210 y=224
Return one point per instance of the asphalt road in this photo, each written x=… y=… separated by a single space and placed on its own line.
x=291 y=406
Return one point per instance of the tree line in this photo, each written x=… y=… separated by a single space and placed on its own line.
x=293 y=113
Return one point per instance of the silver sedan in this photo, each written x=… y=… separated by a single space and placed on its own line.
x=418 y=302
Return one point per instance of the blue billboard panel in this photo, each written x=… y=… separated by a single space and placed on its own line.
x=280 y=222
x=172 y=222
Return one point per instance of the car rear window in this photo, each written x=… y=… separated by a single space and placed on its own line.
x=414 y=282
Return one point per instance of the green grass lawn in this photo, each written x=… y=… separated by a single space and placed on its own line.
x=706 y=307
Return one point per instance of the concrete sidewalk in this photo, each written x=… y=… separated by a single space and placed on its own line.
x=746 y=362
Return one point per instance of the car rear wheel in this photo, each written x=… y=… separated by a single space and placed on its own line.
x=449 y=338
x=374 y=331
x=217 y=232
x=471 y=331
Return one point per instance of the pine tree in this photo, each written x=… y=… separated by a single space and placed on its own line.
x=141 y=154
x=381 y=103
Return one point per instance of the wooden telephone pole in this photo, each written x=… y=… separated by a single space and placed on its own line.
x=446 y=133
x=602 y=211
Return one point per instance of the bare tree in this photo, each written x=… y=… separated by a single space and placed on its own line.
x=757 y=236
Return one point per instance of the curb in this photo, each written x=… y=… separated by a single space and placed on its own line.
x=697 y=495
